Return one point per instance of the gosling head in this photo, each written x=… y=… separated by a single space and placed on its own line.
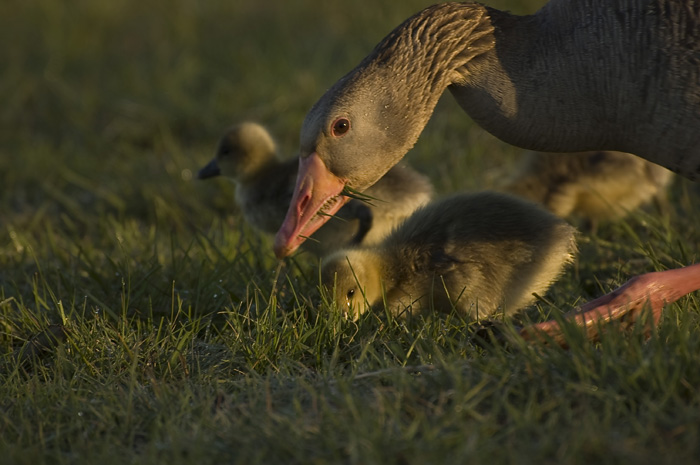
x=243 y=150
x=353 y=278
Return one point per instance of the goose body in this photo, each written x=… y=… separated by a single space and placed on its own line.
x=247 y=155
x=595 y=186
x=578 y=75
x=479 y=253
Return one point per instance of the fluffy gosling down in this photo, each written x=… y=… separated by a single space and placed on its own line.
x=248 y=155
x=480 y=253
x=595 y=186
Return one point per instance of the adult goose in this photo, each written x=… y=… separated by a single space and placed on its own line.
x=578 y=75
x=594 y=186
x=248 y=155
x=477 y=253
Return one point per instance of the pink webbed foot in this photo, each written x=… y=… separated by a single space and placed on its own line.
x=651 y=290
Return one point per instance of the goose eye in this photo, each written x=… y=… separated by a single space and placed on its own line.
x=340 y=127
x=350 y=294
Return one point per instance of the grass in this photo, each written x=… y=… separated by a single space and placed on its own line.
x=187 y=343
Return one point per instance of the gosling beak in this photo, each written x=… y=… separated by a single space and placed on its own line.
x=316 y=198
x=212 y=169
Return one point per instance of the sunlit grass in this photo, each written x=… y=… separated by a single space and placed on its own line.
x=183 y=340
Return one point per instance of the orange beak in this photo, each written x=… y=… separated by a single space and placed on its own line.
x=316 y=198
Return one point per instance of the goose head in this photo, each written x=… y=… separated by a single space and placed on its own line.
x=368 y=120
x=243 y=150
x=354 y=134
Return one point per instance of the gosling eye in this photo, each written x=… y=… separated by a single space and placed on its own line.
x=350 y=294
x=340 y=127
x=224 y=151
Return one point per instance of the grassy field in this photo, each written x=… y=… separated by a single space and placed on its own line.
x=183 y=346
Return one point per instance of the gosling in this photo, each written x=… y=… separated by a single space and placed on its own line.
x=248 y=156
x=595 y=186
x=478 y=254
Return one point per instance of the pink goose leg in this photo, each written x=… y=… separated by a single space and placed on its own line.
x=654 y=289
